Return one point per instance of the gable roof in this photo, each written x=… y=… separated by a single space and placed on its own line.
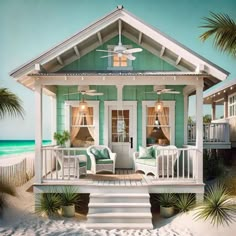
x=133 y=28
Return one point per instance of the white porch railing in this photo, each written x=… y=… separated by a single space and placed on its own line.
x=181 y=166
x=212 y=133
x=59 y=163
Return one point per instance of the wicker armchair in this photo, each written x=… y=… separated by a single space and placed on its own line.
x=99 y=165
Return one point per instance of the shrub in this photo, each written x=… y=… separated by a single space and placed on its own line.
x=218 y=206
x=185 y=202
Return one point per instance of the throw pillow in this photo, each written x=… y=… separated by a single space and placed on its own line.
x=147 y=153
x=100 y=153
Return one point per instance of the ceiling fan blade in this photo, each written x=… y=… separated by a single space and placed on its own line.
x=94 y=94
x=111 y=55
x=133 y=50
x=100 y=50
x=67 y=94
x=172 y=92
x=129 y=56
x=150 y=92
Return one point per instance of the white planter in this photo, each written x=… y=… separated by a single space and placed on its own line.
x=68 y=211
x=167 y=212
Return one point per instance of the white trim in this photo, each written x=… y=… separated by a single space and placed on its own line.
x=171 y=105
x=186 y=102
x=107 y=104
x=38 y=133
x=95 y=105
x=231 y=104
x=53 y=100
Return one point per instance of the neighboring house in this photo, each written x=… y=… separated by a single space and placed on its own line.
x=124 y=117
x=224 y=94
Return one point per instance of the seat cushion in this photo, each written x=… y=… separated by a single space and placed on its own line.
x=100 y=153
x=104 y=161
x=149 y=162
x=82 y=163
x=146 y=153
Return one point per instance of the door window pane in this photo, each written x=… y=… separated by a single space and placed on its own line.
x=120 y=126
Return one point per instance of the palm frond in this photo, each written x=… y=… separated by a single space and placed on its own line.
x=10 y=104
x=223 y=29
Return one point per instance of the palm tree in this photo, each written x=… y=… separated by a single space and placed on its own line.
x=223 y=29
x=9 y=103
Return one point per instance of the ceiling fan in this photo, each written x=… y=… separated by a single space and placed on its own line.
x=84 y=90
x=121 y=50
x=162 y=90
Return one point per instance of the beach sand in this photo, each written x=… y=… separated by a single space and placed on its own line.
x=19 y=219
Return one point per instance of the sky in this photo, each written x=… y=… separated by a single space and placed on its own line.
x=30 y=27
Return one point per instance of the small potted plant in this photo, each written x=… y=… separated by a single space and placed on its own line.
x=62 y=138
x=68 y=198
x=167 y=203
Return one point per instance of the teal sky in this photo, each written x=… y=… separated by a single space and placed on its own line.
x=30 y=27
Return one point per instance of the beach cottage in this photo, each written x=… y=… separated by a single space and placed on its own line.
x=125 y=85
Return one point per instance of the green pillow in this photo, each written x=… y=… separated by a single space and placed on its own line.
x=100 y=153
x=146 y=153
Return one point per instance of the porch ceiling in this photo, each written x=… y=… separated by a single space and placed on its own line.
x=105 y=29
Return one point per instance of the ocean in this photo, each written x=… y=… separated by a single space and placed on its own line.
x=9 y=147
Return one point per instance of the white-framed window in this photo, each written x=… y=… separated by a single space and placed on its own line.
x=84 y=128
x=116 y=62
x=232 y=105
x=158 y=127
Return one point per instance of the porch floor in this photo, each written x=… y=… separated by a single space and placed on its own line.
x=123 y=183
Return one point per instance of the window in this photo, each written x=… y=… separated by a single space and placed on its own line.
x=84 y=128
x=232 y=105
x=159 y=128
x=118 y=63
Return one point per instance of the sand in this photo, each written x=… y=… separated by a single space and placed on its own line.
x=19 y=219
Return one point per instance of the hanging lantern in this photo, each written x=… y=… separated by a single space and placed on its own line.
x=158 y=106
x=83 y=107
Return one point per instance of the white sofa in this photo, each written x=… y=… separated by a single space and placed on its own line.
x=160 y=166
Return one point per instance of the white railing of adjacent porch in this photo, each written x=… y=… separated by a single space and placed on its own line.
x=212 y=133
x=60 y=164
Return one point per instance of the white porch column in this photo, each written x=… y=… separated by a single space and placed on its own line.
x=53 y=117
x=226 y=106
x=213 y=111
x=185 y=119
x=38 y=132
x=199 y=130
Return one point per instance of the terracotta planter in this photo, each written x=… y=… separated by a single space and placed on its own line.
x=167 y=212
x=68 y=211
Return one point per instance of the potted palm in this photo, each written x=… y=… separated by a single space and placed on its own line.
x=167 y=202
x=68 y=198
x=62 y=138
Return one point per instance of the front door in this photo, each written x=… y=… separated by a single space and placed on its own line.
x=122 y=134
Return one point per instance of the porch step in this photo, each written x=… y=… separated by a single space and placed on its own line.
x=116 y=198
x=119 y=226
x=118 y=207
x=121 y=211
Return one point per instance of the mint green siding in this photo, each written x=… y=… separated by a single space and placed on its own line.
x=130 y=93
x=144 y=60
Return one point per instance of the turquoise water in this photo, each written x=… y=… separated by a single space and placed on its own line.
x=8 y=147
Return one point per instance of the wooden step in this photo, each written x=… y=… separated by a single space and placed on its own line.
x=119 y=226
x=120 y=217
